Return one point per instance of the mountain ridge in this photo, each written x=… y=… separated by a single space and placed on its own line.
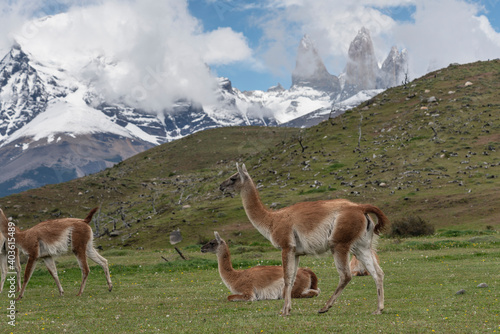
x=425 y=149
x=41 y=104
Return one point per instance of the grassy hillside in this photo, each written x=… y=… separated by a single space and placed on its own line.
x=429 y=149
x=151 y=295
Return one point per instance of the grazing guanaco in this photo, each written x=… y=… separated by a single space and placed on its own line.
x=51 y=238
x=338 y=225
x=260 y=282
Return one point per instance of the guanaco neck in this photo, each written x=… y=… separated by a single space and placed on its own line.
x=19 y=236
x=258 y=214
x=224 y=259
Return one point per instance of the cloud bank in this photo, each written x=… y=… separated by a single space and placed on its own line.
x=149 y=53
x=436 y=33
x=145 y=53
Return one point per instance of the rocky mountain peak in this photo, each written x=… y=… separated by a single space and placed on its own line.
x=394 y=68
x=22 y=93
x=277 y=88
x=310 y=71
x=361 y=68
x=14 y=61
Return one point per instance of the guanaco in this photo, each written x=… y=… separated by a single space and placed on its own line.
x=51 y=238
x=338 y=225
x=260 y=282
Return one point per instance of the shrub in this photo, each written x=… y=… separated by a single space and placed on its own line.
x=412 y=226
x=336 y=165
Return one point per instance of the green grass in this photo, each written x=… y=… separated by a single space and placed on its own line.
x=152 y=295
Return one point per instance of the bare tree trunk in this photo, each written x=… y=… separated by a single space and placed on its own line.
x=406 y=79
x=123 y=216
x=359 y=128
x=330 y=118
x=96 y=222
x=154 y=197
x=180 y=198
x=435 y=134
x=180 y=253
x=300 y=139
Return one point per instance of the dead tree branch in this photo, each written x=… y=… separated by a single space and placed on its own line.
x=180 y=253
x=359 y=129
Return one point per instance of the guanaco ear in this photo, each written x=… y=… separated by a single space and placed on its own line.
x=217 y=237
x=242 y=172
x=244 y=169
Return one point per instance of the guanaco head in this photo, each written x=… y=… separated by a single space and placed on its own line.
x=211 y=246
x=236 y=181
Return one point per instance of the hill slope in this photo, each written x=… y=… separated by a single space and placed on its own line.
x=428 y=149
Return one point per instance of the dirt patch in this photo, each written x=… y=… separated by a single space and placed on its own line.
x=238 y=227
x=495 y=138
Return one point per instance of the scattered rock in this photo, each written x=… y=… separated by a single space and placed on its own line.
x=382 y=185
x=468 y=83
x=175 y=237
x=482 y=285
x=431 y=99
x=460 y=292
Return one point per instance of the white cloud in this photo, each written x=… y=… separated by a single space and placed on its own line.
x=145 y=52
x=216 y=45
x=331 y=24
x=151 y=52
x=438 y=33
x=11 y=18
x=444 y=32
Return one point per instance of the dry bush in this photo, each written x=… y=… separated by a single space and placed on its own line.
x=412 y=226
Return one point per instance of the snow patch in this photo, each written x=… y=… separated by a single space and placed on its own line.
x=139 y=133
x=361 y=97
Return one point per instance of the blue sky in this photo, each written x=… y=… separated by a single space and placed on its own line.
x=255 y=19
x=253 y=43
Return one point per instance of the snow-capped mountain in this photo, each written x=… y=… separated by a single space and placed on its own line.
x=394 y=68
x=310 y=71
x=362 y=70
x=56 y=124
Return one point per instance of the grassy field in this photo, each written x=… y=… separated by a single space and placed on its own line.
x=427 y=150
x=152 y=295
